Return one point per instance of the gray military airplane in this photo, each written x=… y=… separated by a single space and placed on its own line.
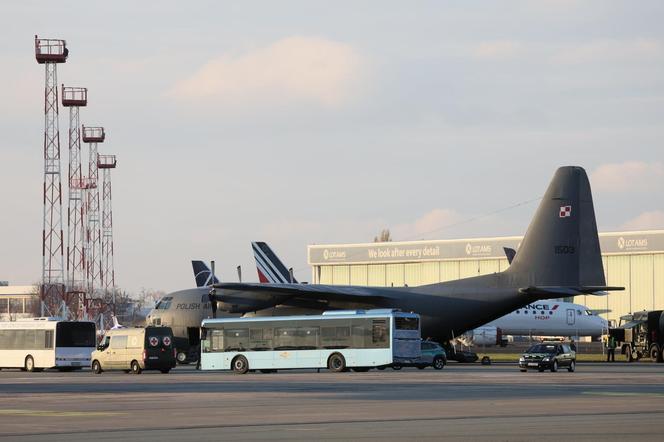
x=558 y=257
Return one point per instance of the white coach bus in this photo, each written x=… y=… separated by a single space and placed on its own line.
x=338 y=340
x=38 y=343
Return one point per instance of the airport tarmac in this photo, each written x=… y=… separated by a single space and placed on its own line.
x=461 y=402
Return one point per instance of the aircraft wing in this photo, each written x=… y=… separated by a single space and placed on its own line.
x=560 y=292
x=372 y=296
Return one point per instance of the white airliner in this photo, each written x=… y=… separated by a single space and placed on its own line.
x=546 y=318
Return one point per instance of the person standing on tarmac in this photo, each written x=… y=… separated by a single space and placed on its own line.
x=611 y=349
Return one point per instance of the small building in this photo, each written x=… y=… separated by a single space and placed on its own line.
x=634 y=260
x=18 y=302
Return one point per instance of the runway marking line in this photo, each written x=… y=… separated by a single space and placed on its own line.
x=621 y=394
x=50 y=413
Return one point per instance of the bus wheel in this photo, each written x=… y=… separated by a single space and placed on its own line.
x=240 y=365
x=96 y=367
x=135 y=367
x=336 y=363
x=29 y=364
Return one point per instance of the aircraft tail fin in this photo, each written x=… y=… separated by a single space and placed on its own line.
x=560 y=252
x=269 y=266
x=203 y=274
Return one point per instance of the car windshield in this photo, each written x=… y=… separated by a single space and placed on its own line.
x=542 y=348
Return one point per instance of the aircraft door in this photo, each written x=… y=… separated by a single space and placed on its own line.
x=570 y=316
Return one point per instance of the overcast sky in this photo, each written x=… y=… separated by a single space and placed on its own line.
x=316 y=122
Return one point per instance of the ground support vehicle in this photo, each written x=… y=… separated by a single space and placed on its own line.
x=640 y=335
x=337 y=340
x=134 y=350
x=37 y=343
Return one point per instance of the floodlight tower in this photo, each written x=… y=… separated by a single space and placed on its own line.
x=50 y=52
x=93 y=136
x=106 y=163
x=75 y=98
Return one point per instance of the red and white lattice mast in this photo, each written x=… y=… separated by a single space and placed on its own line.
x=106 y=163
x=93 y=136
x=75 y=98
x=50 y=52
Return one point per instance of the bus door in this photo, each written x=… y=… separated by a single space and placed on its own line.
x=570 y=316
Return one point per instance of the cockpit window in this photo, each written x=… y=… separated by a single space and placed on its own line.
x=164 y=303
x=589 y=312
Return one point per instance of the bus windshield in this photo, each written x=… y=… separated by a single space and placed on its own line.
x=75 y=334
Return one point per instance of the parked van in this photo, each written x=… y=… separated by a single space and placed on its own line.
x=134 y=350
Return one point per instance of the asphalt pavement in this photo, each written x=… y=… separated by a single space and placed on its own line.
x=461 y=402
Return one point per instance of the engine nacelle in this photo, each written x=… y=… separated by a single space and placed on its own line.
x=484 y=336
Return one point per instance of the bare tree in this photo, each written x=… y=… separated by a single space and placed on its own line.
x=384 y=236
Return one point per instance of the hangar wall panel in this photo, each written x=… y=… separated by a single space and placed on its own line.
x=618 y=275
x=341 y=275
x=449 y=270
x=326 y=275
x=430 y=273
x=641 y=282
x=468 y=269
x=658 y=280
x=413 y=274
x=359 y=275
x=503 y=264
x=376 y=275
x=488 y=266
x=394 y=275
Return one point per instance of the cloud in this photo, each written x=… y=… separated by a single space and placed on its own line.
x=293 y=69
x=610 y=51
x=646 y=221
x=497 y=50
x=630 y=176
x=430 y=223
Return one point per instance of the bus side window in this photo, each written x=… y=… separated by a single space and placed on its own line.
x=379 y=332
x=48 y=339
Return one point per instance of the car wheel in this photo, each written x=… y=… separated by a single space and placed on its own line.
x=135 y=367
x=438 y=363
x=29 y=364
x=554 y=366
x=336 y=363
x=96 y=367
x=572 y=366
x=240 y=365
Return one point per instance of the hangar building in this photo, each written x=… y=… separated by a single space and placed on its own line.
x=634 y=260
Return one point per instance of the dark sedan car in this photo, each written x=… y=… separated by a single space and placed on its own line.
x=548 y=356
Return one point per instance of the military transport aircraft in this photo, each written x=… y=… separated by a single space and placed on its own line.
x=559 y=257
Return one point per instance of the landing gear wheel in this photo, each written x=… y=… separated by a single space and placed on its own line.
x=572 y=367
x=135 y=367
x=29 y=364
x=554 y=366
x=336 y=363
x=240 y=365
x=438 y=363
x=96 y=367
x=181 y=357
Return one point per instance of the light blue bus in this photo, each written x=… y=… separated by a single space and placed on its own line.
x=338 y=340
